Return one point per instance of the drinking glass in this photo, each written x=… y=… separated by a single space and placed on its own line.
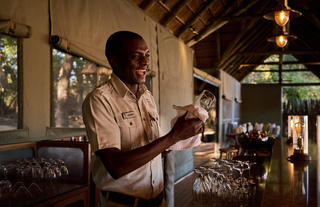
x=5 y=184
x=206 y=100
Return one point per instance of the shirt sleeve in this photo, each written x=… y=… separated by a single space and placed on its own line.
x=102 y=128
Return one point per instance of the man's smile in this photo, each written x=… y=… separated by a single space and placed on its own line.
x=141 y=72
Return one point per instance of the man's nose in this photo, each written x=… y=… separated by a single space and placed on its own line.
x=145 y=60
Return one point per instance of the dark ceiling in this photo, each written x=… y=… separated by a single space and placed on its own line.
x=231 y=35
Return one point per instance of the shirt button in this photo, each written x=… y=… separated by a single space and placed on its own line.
x=130 y=123
x=153 y=182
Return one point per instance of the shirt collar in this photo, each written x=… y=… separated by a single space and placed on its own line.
x=122 y=89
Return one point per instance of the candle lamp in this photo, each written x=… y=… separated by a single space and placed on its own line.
x=300 y=138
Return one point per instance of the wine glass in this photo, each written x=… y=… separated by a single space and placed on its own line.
x=5 y=184
x=206 y=100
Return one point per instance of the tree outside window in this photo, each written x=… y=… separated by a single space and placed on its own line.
x=9 y=104
x=290 y=93
x=73 y=78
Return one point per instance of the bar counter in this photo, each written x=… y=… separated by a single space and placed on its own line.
x=290 y=184
x=283 y=184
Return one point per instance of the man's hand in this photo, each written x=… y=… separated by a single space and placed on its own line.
x=185 y=128
x=119 y=163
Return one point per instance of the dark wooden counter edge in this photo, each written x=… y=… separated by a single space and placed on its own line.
x=80 y=194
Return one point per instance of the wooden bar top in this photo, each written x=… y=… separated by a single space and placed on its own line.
x=290 y=184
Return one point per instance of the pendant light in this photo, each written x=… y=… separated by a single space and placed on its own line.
x=282 y=39
x=282 y=14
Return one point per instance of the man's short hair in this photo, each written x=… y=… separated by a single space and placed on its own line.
x=116 y=40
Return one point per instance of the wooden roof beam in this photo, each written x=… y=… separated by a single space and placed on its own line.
x=195 y=17
x=168 y=10
x=257 y=42
x=147 y=4
x=173 y=13
x=239 y=74
x=308 y=52
x=277 y=63
x=288 y=70
x=217 y=23
x=230 y=50
x=233 y=46
x=242 y=43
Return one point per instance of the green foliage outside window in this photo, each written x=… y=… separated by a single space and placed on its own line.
x=290 y=93
x=73 y=78
x=8 y=83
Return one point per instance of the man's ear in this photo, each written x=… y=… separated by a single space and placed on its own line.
x=114 y=62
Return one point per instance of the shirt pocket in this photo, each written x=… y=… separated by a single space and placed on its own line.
x=154 y=122
x=128 y=130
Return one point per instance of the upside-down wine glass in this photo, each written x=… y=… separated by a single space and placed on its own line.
x=206 y=100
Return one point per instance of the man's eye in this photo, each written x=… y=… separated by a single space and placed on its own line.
x=147 y=55
x=134 y=56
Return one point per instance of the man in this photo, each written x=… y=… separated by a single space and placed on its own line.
x=122 y=124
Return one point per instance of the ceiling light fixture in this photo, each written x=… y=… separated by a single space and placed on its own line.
x=282 y=39
x=282 y=13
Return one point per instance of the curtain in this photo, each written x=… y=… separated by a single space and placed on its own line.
x=83 y=26
x=231 y=88
x=15 y=29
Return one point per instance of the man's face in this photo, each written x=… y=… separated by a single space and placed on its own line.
x=133 y=61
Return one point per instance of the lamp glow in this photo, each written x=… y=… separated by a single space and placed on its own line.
x=281 y=17
x=281 y=40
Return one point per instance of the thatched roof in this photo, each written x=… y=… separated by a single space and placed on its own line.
x=232 y=34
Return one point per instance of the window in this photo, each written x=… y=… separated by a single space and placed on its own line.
x=290 y=72
x=10 y=104
x=290 y=76
x=73 y=78
x=261 y=77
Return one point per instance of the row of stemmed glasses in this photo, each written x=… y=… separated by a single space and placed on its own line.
x=23 y=178
x=222 y=181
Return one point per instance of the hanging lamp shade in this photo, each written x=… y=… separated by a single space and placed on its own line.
x=282 y=14
x=281 y=17
x=282 y=39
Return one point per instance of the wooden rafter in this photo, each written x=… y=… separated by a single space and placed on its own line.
x=240 y=74
x=147 y=4
x=242 y=43
x=193 y=12
x=233 y=46
x=253 y=44
x=308 y=52
x=173 y=14
x=288 y=70
x=195 y=17
x=230 y=50
x=169 y=11
x=217 y=23
x=277 y=63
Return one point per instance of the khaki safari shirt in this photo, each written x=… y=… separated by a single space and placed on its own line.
x=115 y=117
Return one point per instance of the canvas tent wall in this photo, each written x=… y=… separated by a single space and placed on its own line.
x=83 y=27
